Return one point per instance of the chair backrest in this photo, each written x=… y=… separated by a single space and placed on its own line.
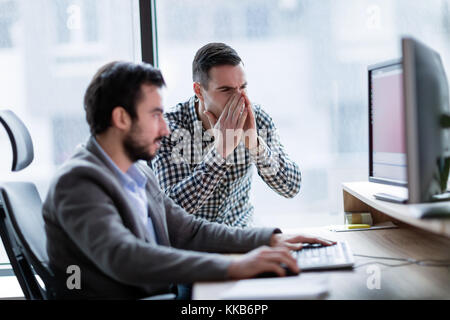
x=24 y=223
x=21 y=221
x=21 y=143
x=24 y=207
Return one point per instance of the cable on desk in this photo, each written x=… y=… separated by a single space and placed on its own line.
x=408 y=261
x=383 y=264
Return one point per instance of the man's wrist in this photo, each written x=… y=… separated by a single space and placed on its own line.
x=252 y=142
x=275 y=238
x=253 y=146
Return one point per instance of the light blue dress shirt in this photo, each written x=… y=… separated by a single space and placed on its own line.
x=133 y=181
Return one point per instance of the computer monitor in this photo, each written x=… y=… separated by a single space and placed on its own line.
x=387 y=144
x=426 y=105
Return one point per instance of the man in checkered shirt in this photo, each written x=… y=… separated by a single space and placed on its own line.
x=205 y=165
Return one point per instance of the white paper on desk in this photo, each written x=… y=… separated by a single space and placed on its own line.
x=304 y=286
x=343 y=227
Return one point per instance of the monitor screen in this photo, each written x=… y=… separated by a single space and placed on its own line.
x=387 y=144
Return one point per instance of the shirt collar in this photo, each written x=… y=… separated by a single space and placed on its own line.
x=193 y=119
x=129 y=179
x=192 y=113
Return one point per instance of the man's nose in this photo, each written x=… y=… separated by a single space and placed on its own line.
x=242 y=91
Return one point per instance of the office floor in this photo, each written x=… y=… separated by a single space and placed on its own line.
x=10 y=289
x=9 y=286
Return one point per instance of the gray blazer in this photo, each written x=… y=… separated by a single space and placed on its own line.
x=90 y=223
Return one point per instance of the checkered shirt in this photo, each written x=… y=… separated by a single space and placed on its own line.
x=199 y=179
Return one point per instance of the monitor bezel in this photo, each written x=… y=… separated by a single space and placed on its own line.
x=409 y=89
x=370 y=69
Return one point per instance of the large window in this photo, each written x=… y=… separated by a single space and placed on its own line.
x=49 y=51
x=306 y=63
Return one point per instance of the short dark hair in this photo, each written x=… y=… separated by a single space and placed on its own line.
x=117 y=83
x=211 y=55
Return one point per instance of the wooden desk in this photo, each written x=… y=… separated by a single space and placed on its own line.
x=358 y=197
x=416 y=239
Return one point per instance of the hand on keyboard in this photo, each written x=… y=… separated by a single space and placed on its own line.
x=261 y=260
x=312 y=245
x=296 y=242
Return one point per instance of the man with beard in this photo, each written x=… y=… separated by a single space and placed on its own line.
x=106 y=214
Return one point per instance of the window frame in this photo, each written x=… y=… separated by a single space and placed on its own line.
x=149 y=37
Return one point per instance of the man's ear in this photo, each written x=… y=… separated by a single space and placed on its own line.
x=120 y=118
x=198 y=90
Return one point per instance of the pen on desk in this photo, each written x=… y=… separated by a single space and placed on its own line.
x=358 y=226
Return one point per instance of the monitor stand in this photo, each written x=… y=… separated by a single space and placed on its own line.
x=389 y=197
x=441 y=197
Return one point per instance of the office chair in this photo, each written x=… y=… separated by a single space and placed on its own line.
x=21 y=222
